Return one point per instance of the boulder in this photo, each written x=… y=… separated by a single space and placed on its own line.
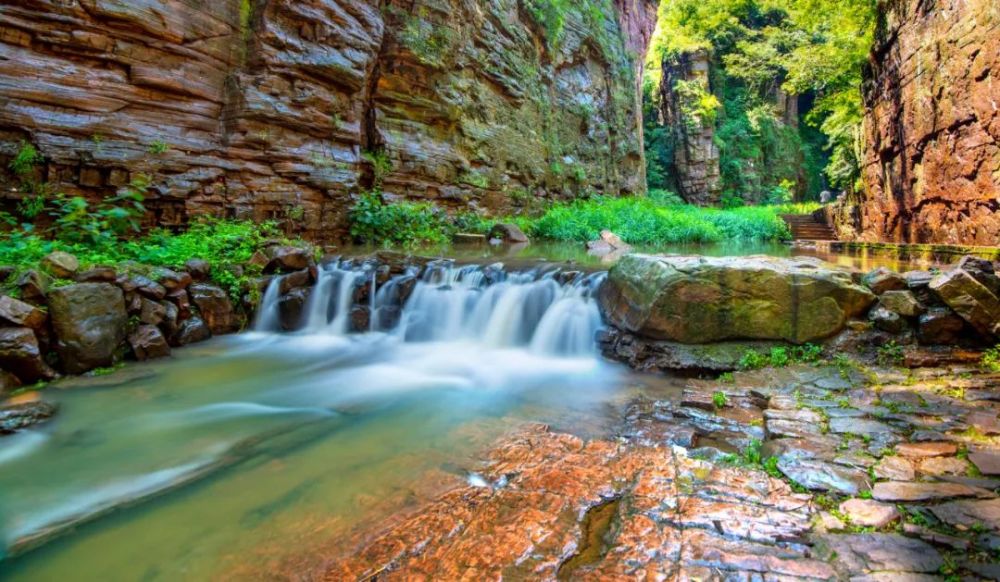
x=61 y=265
x=89 y=320
x=33 y=285
x=882 y=279
x=148 y=343
x=215 y=307
x=284 y=259
x=151 y=312
x=171 y=318
x=199 y=269
x=290 y=308
x=21 y=356
x=8 y=383
x=508 y=233
x=97 y=275
x=940 y=326
x=902 y=302
x=971 y=291
x=607 y=243
x=172 y=280
x=16 y=417
x=20 y=314
x=709 y=299
x=192 y=330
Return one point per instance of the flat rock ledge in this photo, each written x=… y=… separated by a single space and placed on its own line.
x=871 y=479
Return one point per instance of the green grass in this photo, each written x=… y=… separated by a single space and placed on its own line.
x=222 y=243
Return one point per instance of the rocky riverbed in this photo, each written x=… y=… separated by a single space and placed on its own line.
x=876 y=475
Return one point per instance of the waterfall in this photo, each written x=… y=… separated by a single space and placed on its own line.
x=544 y=310
x=268 y=316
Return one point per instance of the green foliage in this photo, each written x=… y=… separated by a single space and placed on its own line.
x=381 y=167
x=698 y=107
x=644 y=221
x=890 y=354
x=25 y=161
x=159 y=147
x=719 y=399
x=550 y=16
x=75 y=221
x=780 y=357
x=429 y=41
x=991 y=359
x=401 y=223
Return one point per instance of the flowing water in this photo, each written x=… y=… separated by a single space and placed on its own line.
x=253 y=456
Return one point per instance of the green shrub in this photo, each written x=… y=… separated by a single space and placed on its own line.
x=719 y=399
x=991 y=359
x=400 y=223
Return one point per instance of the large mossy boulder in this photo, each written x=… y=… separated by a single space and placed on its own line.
x=703 y=299
x=972 y=290
x=90 y=321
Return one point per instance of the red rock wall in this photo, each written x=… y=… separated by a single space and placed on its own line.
x=932 y=159
x=268 y=106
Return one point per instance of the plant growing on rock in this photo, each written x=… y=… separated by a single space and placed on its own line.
x=719 y=399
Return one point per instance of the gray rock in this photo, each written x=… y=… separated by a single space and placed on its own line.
x=20 y=416
x=819 y=475
x=508 y=233
x=89 y=321
x=910 y=491
x=887 y=321
x=61 y=265
x=972 y=294
x=191 y=331
x=940 y=326
x=880 y=553
x=882 y=279
x=901 y=302
x=215 y=308
x=200 y=270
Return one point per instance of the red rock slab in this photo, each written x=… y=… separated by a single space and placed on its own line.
x=932 y=449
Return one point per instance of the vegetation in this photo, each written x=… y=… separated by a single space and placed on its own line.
x=810 y=48
x=780 y=357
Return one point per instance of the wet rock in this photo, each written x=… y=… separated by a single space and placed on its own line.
x=882 y=279
x=295 y=280
x=875 y=553
x=700 y=300
x=777 y=428
x=20 y=314
x=285 y=259
x=818 y=475
x=89 y=321
x=33 y=286
x=61 y=265
x=20 y=355
x=908 y=491
x=290 y=308
x=937 y=538
x=8 y=383
x=171 y=321
x=360 y=318
x=17 y=417
x=608 y=243
x=869 y=513
x=182 y=301
x=148 y=343
x=901 y=302
x=926 y=449
x=199 y=269
x=858 y=426
x=192 y=330
x=97 y=275
x=172 y=280
x=644 y=354
x=964 y=291
x=887 y=321
x=151 y=312
x=508 y=233
x=895 y=469
x=215 y=308
x=941 y=326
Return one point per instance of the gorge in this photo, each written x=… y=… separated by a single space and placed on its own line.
x=499 y=289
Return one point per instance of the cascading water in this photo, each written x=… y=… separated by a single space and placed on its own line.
x=546 y=311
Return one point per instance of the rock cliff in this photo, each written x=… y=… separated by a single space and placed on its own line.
x=931 y=161
x=280 y=109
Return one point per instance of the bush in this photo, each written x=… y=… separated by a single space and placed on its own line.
x=400 y=223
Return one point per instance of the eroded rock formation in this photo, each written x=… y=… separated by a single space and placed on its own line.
x=280 y=109
x=932 y=161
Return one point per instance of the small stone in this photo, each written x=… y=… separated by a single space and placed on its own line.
x=61 y=265
x=97 y=275
x=882 y=279
x=887 y=321
x=987 y=463
x=285 y=259
x=191 y=331
x=936 y=537
x=20 y=416
x=791 y=429
x=985 y=422
x=895 y=469
x=199 y=269
x=215 y=307
x=151 y=312
x=908 y=491
x=148 y=343
x=940 y=326
x=943 y=466
x=20 y=314
x=869 y=513
x=926 y=449
x=902 y=303
x=172 y=280
x=33 y=286
x=508 y=233
x=858 y=426
x=829 y=522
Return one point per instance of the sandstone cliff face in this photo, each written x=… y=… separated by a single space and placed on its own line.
x=270 y=108
x=932 y=159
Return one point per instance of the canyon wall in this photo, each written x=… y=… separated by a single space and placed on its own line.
x=284 y=109
x=931 y=166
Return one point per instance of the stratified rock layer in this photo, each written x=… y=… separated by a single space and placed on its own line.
x=931 y=165
x=266 y=110
x=703 y=299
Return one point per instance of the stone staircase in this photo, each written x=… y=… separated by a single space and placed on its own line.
x=806 y=227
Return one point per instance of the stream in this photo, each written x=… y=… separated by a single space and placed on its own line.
x=259 y=455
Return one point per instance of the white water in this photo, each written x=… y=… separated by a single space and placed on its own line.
x=481 y=305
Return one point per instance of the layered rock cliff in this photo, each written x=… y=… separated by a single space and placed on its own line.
x=283 y=109
x=931 y=167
